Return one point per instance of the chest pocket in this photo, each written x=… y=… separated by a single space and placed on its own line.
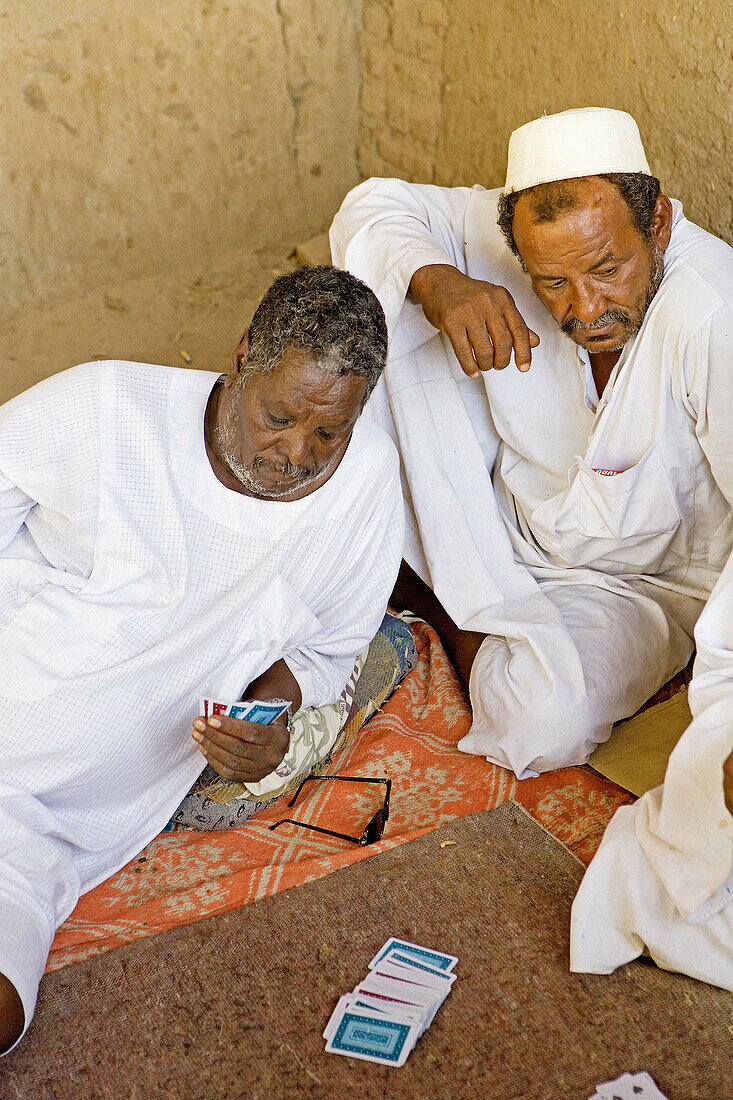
x=622 y=523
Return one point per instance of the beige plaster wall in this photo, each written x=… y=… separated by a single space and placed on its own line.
x=144 y=136
x=446 y=81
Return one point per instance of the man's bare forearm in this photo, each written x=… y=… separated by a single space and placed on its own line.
x=276 y=682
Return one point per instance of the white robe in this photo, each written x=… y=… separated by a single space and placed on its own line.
x=662 y=879
x=587 y=585
x=131 y=583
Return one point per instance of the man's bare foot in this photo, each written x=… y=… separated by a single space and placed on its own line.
x=12 y=1016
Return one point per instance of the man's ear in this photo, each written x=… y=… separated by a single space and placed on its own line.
x=662 y=222
x=238 y=360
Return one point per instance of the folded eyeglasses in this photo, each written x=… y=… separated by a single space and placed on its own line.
x=375 y=826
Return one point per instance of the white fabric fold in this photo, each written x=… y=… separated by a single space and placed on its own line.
x=662 y=878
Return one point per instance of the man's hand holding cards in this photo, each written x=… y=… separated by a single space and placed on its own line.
x=385 y=1015
x=243 y=741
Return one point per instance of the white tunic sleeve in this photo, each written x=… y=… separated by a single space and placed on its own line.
x=49 y=468
x=48 y=474
x=39 y=887
x=709 y=371
x=386 y=229
x=14 y=507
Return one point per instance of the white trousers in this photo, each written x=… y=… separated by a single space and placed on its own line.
x=533 y=714
x=622 y=909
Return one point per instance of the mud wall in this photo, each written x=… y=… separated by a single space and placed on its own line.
x=446 y=81
x=142 y=137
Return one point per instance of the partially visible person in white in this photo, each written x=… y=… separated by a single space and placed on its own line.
x=167 y=534
x=661 y=882
x=566 y=520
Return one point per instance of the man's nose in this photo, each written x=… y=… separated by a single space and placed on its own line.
x=586 y=302
x=297 y=446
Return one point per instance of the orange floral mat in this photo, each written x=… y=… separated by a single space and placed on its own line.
x=183 y=877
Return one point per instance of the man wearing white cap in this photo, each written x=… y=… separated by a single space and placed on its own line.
x=566 y=520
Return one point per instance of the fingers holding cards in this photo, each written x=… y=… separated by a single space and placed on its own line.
x=243 y=741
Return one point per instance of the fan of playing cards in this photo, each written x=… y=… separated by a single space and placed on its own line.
x=383 y=1018
x=254 y=710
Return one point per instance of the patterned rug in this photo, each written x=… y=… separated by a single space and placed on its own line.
x=183 y=877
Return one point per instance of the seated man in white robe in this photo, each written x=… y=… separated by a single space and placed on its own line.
x=567 y=519
x=662 y=879
x=168 y=534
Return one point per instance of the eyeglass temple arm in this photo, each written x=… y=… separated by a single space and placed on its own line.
x=338 y=778
x=315 y=828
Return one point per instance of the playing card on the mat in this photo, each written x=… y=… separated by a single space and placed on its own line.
x=424 y=954
x=401 y=989
x=387 y=1005
x=362 y=1033
x=428 y=1001
x=402 y=966
x=629 y=1086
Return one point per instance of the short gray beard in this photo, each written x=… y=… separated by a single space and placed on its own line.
x=246 y=475
x=572 y=327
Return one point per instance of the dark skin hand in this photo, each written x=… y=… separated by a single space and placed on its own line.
x=12 y=1017
x=480 y=319
x=410 y=592
x=246 y=752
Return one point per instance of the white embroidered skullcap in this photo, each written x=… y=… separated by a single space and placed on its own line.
x=584 y=142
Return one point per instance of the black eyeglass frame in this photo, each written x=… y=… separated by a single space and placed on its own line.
x=374 y=827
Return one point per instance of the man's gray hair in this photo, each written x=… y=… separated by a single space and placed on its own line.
x=325 y=311
x=550 y=200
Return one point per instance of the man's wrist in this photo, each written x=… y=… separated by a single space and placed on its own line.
x=424 y=278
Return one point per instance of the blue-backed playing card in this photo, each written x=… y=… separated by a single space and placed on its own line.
x=437 y=959
x=264 y=712
x=362 y=1033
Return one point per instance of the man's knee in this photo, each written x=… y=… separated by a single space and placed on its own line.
x=560 y=731
x=12 y=1016
x=533 y=722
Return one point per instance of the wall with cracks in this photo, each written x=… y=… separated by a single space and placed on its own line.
x=444 y=83
x=145 y=137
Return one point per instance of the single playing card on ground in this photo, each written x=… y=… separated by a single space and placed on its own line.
x=402 y=966
x=428 y=1001
x=362 y=1033
x=358 y=1002
x=629 y=1086
x=387 y=1005
x=424 y=954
